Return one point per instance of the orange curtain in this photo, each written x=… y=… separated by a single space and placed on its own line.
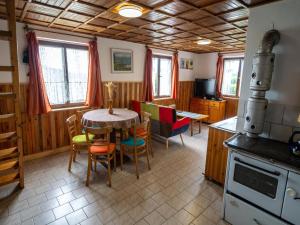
x=175 y=76
x=94 y=97
x=147 y=84
x=38 y=102
x=219 y=75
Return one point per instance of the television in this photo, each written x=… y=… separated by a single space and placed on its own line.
x=205 y=88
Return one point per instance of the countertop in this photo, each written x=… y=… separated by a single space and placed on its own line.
x=228 y=125
x=271 y=150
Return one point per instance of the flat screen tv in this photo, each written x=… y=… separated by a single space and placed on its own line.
x=205 y=88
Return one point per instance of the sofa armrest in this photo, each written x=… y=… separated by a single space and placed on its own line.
x=181 y=122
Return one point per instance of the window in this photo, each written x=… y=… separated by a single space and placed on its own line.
x=65 y=71
x=233 y=68
x=161 y=75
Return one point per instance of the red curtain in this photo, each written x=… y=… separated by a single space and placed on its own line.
x=219 y=75
x=94 y=97
x=147 y=84
x=38 y=102
x=175 y=76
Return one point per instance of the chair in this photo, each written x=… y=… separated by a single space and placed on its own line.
x=135 y=146
x=79 y=115
x=100 y=150
x=77 y=140
x=144 y=131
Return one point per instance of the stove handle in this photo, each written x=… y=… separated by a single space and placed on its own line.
x=275 y=173
x=292 y=193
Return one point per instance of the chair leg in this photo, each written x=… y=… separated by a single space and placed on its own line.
x=136 y=164
x=121 y=156
x=147 y=155
x=150 y=145
x=115 y=161
x=74 y=155
x=108 y=171
x=95 y=165
x=88 y=170
x=167 y=143
x=181 y=139
x=71 y=158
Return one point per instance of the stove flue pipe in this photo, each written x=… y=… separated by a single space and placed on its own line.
x=263 y=64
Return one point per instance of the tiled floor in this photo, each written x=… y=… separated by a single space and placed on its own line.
x=173 y=192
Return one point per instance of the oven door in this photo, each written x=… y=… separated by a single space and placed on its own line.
x=258 y=182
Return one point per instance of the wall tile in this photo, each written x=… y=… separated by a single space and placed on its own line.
x=291 y=116
x=280 y=132
x=266 y=130
x=274 y=113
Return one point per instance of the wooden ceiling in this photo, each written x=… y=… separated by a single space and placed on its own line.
x=171 y=24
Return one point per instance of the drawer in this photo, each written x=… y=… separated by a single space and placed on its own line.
x=214 y=104
x=238 y=212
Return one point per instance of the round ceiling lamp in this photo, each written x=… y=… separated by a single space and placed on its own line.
x=130 y=11
x=204 y=42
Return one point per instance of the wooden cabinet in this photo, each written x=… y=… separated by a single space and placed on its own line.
x=216 y=156
x=214 y=109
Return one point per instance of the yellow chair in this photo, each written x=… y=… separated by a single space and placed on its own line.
x=135 y=146
x=100 y=150
x=77 y=140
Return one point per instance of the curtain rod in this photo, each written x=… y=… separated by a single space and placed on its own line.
x=27 y=28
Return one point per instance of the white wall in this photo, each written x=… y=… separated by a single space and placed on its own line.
x=284 y=96
x=104 y=47
x=206 y=65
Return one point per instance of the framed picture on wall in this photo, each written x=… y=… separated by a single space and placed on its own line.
x=186 y=64
x=121 y=60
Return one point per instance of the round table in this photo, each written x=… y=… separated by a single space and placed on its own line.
x=121 y=118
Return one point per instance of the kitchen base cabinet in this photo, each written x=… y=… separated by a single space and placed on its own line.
x=216 y=156
x=214 y=109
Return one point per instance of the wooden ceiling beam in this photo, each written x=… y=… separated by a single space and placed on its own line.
x=25 y=9
x=62 y=12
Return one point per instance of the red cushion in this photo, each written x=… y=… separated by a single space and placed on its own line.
x=96 y=149
x=167 y=115
x=180 y=123
x=136 y=106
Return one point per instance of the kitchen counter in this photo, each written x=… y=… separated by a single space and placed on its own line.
x=216 y=157
x=271 y=150
x=228 y=125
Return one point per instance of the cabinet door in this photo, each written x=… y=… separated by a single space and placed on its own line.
x=214 y=114
x=291 y=204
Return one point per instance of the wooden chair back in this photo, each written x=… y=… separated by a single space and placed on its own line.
x=104 y=132
x=79 y=114
x=145 y=116
x=72 y=126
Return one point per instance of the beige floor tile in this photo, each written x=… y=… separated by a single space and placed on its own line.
x=141 y=222
x=137 y=213
x=194 y=209
x=62 y=210
x=44 y=218
x=212 y=214
x=107 y=215
x=149 y=205
x=61 y=221
x=30 y=212
x=65 y=198
x=76 y=217
x=202 y=220
x=166 y=211
x=79 y=203
x=154 y=218
x=91 y=221
x=184 y=217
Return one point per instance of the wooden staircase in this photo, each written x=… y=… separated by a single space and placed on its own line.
x=11 y=156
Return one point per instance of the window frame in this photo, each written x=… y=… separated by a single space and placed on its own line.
x=238 y=78
x=65 y=64
x=158 y=74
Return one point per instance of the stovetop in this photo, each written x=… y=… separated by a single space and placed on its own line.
x=266 y=148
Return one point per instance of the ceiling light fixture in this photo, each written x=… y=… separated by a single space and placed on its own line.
x=130 y=11
x=204 y=42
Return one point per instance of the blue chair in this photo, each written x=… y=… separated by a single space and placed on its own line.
x=134 y=146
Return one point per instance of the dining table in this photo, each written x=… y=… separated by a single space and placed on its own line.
x=120 y=120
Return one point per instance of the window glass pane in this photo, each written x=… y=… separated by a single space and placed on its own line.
x=155 y=76
x=53 y=73
x=230 y=77
x=241 y=75
x=77 y=60
x=165 y=77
